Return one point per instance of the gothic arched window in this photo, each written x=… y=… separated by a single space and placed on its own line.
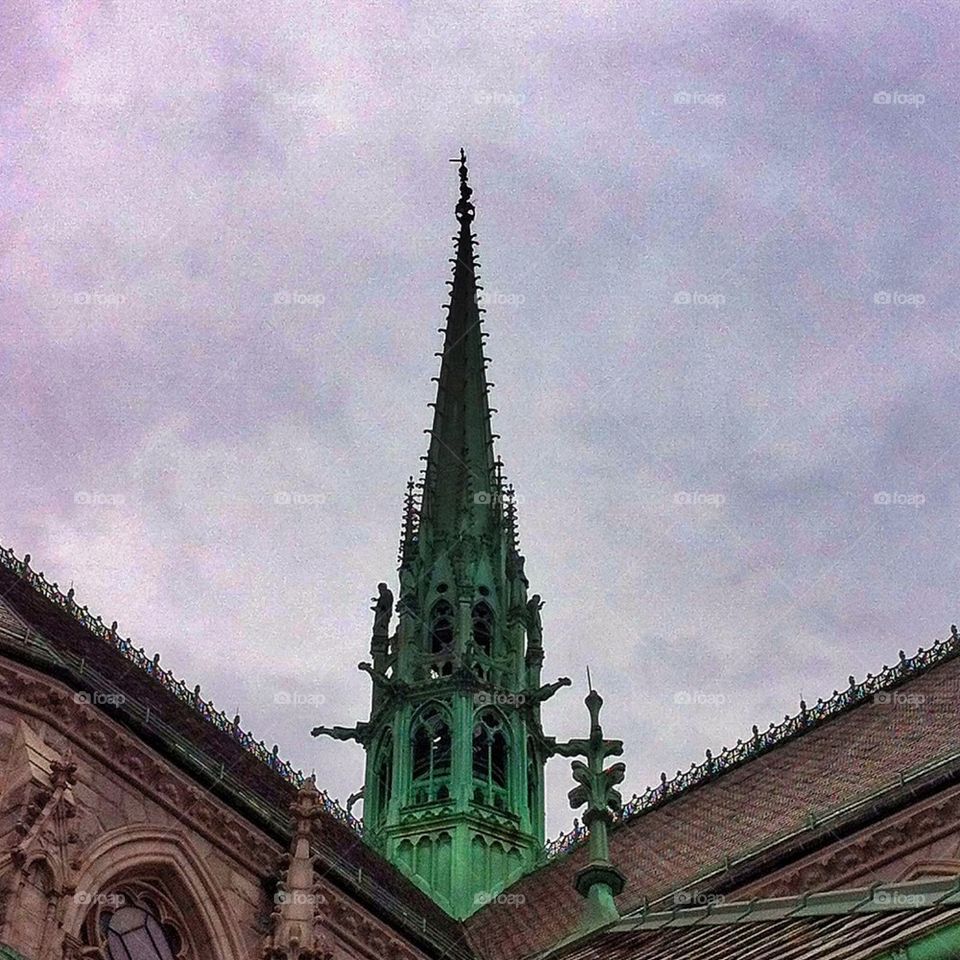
x=483 y=628
x=135 y=922
x=431 y=756
x=135 y=933
x=441 y=628
x=384 y=775
x=440 y=640
x=490 y=760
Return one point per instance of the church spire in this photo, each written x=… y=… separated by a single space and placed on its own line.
x=453 y=793
x=459 y=487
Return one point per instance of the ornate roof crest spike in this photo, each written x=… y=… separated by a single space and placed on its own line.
x=599 y=881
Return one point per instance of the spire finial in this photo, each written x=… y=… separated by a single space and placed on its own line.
x=464 y=207
x=408 y=533
x=599 y=881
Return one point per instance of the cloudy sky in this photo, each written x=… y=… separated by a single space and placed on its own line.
x=719 y=242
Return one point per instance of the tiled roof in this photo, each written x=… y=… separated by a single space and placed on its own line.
x=760 y=795
x=47 y=629
x=778 y=795
x=774 y=736
x=852 y=925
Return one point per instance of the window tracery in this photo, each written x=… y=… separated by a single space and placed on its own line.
x=137 y=921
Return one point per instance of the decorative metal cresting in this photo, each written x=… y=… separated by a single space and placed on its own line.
x=599 y=881
x=762 y=741
x=151 y=667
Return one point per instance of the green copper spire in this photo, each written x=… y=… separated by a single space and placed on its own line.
x=453 y=793
x=459 y=485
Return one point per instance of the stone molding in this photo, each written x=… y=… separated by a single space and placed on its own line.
x=869 y=850
x=96 y=735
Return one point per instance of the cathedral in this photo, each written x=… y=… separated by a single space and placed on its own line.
x=137 y=822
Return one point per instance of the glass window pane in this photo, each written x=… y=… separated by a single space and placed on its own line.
x=127 y=918
x=159 y=939
x=140 y=945
x=116 y=948
x=134 y=934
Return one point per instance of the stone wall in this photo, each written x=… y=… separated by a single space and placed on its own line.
x=93 y=820
x=921 y=842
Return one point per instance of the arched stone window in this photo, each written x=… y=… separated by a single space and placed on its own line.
x=440 y=639
x=483 y=628
x=533 y=782
x=441 y=628
x=136 y=921
x=384 y=775
x=159 y=870
x=490 y=760
x=431 y=756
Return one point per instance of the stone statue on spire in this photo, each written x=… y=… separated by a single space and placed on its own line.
x=382 y=681
x=534 y=623
x=358 y=733
x=382 y=610
x=546 y=691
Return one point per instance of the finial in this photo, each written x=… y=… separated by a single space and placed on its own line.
x=464 y=207
x=462 y=160
x=599 y=881
x=589 y=682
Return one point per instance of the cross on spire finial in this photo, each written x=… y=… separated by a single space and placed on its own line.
x=464 y=207
x=462 y=160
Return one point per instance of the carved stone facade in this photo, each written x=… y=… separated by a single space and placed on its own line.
x=93 y=821
x=918 y=843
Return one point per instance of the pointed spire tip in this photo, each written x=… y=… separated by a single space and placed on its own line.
x=464 y=207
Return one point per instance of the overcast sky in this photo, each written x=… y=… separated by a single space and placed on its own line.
x=719 y=242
